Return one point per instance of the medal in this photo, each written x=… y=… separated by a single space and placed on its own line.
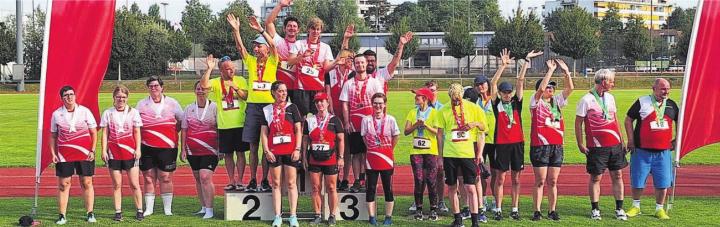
x=379 y=133
x=601 y=101
x=120 y=126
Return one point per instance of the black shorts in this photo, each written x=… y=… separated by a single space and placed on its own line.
x=231 y=140
x=81 y=168
x=547 y=156
x=489 y=152
x=164 y=159
x=325 y=170
x=357 y=144
x=509 y=156
x=198 y=162
x=304 y=101
x=455 y=167
x=601 y=158
x=122 y=164
x=253 y=120
x=284 y=160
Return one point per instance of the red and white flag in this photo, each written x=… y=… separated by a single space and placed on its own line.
x=76 y=51
x=699 y=118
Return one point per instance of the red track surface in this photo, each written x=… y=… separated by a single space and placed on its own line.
x=691 y=181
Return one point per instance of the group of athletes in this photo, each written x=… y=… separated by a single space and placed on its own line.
x=304 y=108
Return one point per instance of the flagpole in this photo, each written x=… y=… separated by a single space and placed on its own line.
x=41 y=107
x=681 y=120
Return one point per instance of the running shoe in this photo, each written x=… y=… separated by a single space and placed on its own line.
x=317 y=220
x=515 y=215
x=91 y=217
x=661 y=214
x=433 y=216
x=620 y=215
x=595 y=214
x=277 y=222
x=418 y=215
x=633 y=211
x=537 y=216
x=465 y=213
x=265 y=186
x=413 y=207
x=553 y=215
x=331 y=220
x=252 y=186
x=343 y=185
x=498 y=216
x=293 y=221
x=61 y=220
x=387 y=221
x=118 y=217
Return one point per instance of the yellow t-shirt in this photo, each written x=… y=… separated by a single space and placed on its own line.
x=446 y=121
x=261 y=95
x=430 y=119
x=489 y=120
x=228 y=116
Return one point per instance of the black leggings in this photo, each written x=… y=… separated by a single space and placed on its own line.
x=372 y=180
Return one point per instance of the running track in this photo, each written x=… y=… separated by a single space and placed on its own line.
x=691 y=181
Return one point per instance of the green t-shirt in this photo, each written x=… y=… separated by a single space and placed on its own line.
x=261 y=93
x=489 y=120
x=459 y=149
x=233 y=117
x=431 y=118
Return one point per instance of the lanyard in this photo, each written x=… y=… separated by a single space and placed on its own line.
x=483 y=103
x=659 y=110
x=121 y=122
x=278 y=115
x=322 y=125
x=509 y=112
x=459 y=120
x=380 y=125
x=72 y=118
x=601 y=101
x=316 y=52
x=554 y=109
x=201 y=117
x=341 y=76
x=260 y=71
x=360 y=92
x=228 y=96
x=424 y=116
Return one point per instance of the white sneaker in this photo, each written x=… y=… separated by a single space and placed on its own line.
x=443 y=208
x=413 y=207
x=147 y=213
x=595 y=215
x=201 y=211
x=91 y=217
x=620 y=215
x=61 y=220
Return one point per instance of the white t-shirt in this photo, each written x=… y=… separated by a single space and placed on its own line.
x=348 y=90
x=300 y=46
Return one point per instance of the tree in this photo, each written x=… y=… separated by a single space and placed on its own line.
x=7 y=42
x=34 y=35
x=336 y=42
x=680 y=18
x=154 y=11
x=637 y=39
x=219 y=41
x=459 y=41
x=519 y=34
x=574 y=32
x=195 y=20
x=612 y=36
x=681 y=48
x=488 y=14
x=400 y=11
x=335 y=14
x=399 y=30
x=376 y=13
x=478 y=14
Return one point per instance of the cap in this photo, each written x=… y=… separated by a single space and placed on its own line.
x=505 y=86
x=479 y=79
x=320 y=96
x=424 y=92
x=260 y=40
x=550 y=84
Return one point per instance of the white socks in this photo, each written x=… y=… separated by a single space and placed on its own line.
x=636 y=203
x=497 y=209
x=167 y=202
x=659 y=207
x=149 y=204
x=208 y=213
x=514 y=209
x=201 y=211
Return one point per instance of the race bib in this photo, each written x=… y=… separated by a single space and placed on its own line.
x=421 y=143
x=231 y=106
x=654 y=125
x=309 y=71
x=320 y=146
x=459 y=135
x=281 y=139
x=261 y=86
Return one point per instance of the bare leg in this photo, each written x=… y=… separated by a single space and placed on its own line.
x=617 y=184
x=240 y=164
x=553 y=173
x=229 y=166
x=291 y=178
x=515 y=188
x=540 y=174
x=276 y=191
x=199 y=187
x=331 y=189
x=64 y=184
x=208 y=187
x=594 y=187
x=116 y=177
x=316 y=188
x=499 y=183
x=88 y=192
x=134 y=178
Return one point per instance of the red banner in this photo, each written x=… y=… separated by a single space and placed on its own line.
x=699 y=117
x=78 y=38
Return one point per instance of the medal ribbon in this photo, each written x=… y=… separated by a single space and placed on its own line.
x=278 y=116
x=659 y=110
x=459 y=120
x=424 y=116
x=601 y=101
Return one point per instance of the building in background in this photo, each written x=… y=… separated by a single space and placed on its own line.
x=654 y=12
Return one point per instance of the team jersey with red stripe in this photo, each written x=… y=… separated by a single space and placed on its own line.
x=285 y=72
x=316 y=61
x=546 y=128
x=201 y=125
x=281 y=127
x=74 y=142
x=506 y=131
x=599 y=131
x=651 y=133
x=329 y=126
x=160 y=122
x=377 y=135
x=383 y=75
x=336 y=78
x=359 y=101
x=120 y=128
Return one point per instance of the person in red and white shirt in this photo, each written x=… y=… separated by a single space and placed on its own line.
x=387 y=73
x=161 y=117
x=546 y=136
x=324 y=148
x=355 y=98
x=380 y=133
x=72 y=146
x=603 y=145
x=281 y=136
x=121 y=148
x=200 y=146
x=291 y=29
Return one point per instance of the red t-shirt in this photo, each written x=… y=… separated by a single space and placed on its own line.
x=322 y=53
x=120 y=127
x=546 y=128
x=377 y=135
x=650 y=133
x=281 y=127
x=201 y=125
x=357 y=94
x=336 y=78
x=160 y=122
x=329 y=127
x=507 y=131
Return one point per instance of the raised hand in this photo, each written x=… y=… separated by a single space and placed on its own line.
x=533 y=54
x=233 y=21
x=211 y=62
x=285 y=3
x=505 y=57
x=404 y=39
x=254 y=24
x=309 y=52
x=349 y=31
x=562 y=65
x=551 y=65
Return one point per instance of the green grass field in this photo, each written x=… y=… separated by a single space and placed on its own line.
x=573 y=210
x=19 y=124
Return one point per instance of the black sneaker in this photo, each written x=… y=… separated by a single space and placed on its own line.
x=343 y=185
x=458 y=223
x=498 y=216
x=139 y=216
x=418 y=215
x=465 y=213
x=553 y=216
x=355 y=188
x=331 y=220
x=265 y=186
x=118 y=217
x=515 y=215
x=252 y=186
x=433 y=216
x=537 y=216
x=317 y=220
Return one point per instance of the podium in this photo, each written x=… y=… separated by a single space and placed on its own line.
x=351 y=207
x=241 y=205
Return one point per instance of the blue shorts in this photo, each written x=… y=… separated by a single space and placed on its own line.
x=644 y=162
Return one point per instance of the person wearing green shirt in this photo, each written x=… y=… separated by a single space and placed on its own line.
x=460 y=125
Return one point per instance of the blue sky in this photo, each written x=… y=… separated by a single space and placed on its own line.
x=175 y=7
